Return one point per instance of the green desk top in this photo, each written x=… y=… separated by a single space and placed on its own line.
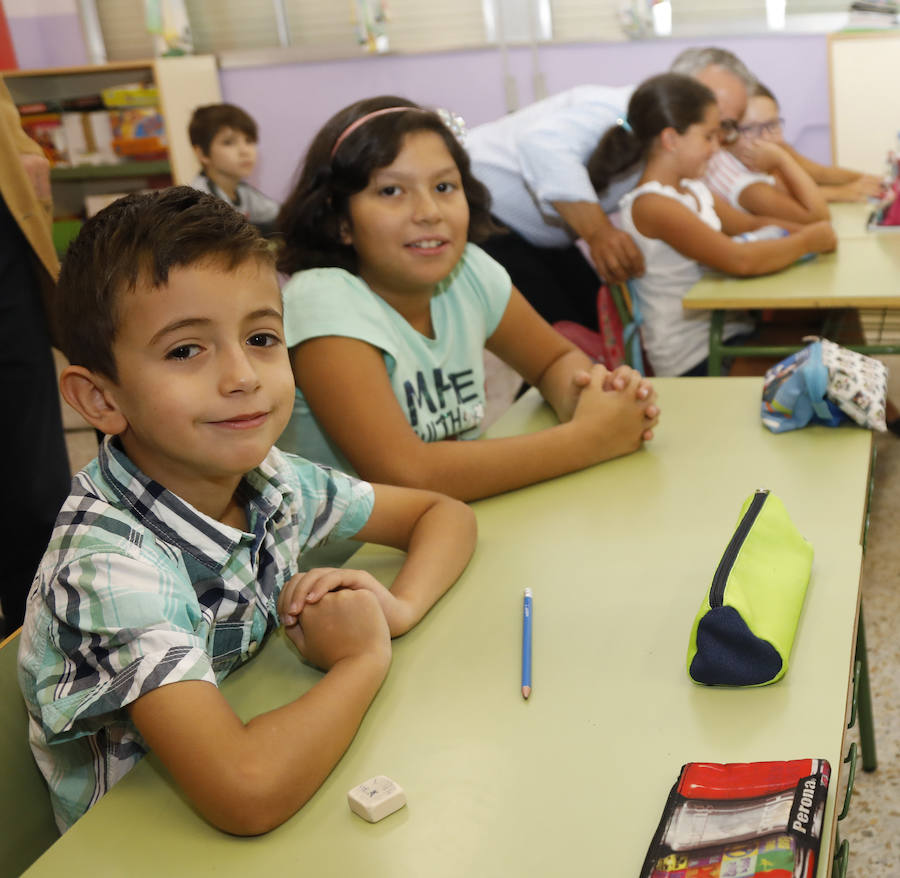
x=864 y=272
x=573 y=781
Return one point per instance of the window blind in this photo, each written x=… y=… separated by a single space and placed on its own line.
x=124 y=28
x=412 y=25
x=220 y=25
x=582 y=20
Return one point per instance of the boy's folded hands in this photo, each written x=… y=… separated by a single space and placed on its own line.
x=307 y=589
x=341 y=624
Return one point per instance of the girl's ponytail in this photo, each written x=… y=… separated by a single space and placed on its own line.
x=670 y=100
x=618 y=150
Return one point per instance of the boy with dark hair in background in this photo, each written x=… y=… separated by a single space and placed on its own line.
x=225 y=139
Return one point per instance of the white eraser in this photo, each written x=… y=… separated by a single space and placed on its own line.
x=375 y=798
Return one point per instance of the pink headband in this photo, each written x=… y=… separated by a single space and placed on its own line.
x=361 y=121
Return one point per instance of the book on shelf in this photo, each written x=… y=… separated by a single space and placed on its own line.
x=84 y=103
x=89 y=138
x=34 y=108
x=744 y=819
x=121 y=123
x=47 y=131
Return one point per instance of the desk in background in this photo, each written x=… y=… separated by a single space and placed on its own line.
x=572 y=781
x=849 y=219
x=864 y=272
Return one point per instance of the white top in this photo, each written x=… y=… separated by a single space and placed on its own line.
x=728 y=176
x=676 y=340
x=538 y=154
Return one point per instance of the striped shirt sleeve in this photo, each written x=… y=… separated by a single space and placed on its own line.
x=119 y=627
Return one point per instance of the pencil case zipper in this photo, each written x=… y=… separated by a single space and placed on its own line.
x=720 y=578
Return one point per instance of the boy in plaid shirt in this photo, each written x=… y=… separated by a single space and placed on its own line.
x=176 y=553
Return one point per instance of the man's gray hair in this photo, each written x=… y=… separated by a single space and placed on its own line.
x=691 y=61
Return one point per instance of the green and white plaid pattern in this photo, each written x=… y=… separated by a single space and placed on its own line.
x=138 y=589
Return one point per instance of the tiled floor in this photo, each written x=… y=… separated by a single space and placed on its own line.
x=873 y=824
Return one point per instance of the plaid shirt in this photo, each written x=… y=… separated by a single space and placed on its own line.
x=138 y=589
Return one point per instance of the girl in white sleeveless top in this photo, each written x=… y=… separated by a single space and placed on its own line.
x=680 y=226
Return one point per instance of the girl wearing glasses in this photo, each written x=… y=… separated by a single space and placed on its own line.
x=673 y=127
x=762 y=121
x=756 y=173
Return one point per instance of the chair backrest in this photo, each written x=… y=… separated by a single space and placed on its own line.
x=630 y=314
x=618 y=340
x=27 y=827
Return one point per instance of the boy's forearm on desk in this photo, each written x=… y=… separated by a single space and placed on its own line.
x=439 y=550
x=298 y=745
x=248 y=778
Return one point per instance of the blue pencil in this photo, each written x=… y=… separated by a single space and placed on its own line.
x=526 y=644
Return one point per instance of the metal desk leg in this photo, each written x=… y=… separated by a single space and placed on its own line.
x=864 y=695
x=717 y=321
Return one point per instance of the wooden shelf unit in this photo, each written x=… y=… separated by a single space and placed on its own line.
x=183 y=82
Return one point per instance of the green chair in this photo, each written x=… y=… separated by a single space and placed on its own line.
x=27 y=827
x=619 y=338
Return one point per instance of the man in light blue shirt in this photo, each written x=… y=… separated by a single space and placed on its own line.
x=534 y=162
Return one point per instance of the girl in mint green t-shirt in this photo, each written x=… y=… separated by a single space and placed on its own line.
x=389 y=308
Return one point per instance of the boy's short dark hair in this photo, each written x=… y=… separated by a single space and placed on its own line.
x=139 y=239
x=208 y=121
x=312 y=215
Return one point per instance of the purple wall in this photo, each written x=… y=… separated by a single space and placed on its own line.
x=290 y=102
x=47 y=40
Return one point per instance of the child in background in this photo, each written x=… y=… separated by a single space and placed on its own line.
x=175 y=555
x=680 y=226
x=762 y=120
x=389 y=309
x=224 y=138
x=758 y=174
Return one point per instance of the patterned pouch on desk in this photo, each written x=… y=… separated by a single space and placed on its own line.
x=857 y=384
x=794 y=393
x=747 y=820
x=744 y=631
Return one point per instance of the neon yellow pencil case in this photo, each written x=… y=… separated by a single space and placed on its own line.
x=744 y=631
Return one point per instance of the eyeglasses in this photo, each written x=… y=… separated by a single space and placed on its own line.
x=729 y=131
x=773 y=126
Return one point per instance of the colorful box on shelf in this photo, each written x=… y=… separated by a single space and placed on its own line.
x=133 y=95
x=138 y=133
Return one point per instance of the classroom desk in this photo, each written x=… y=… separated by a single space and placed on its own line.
x=864 y=272
x=849 y=219
x=573 y=781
